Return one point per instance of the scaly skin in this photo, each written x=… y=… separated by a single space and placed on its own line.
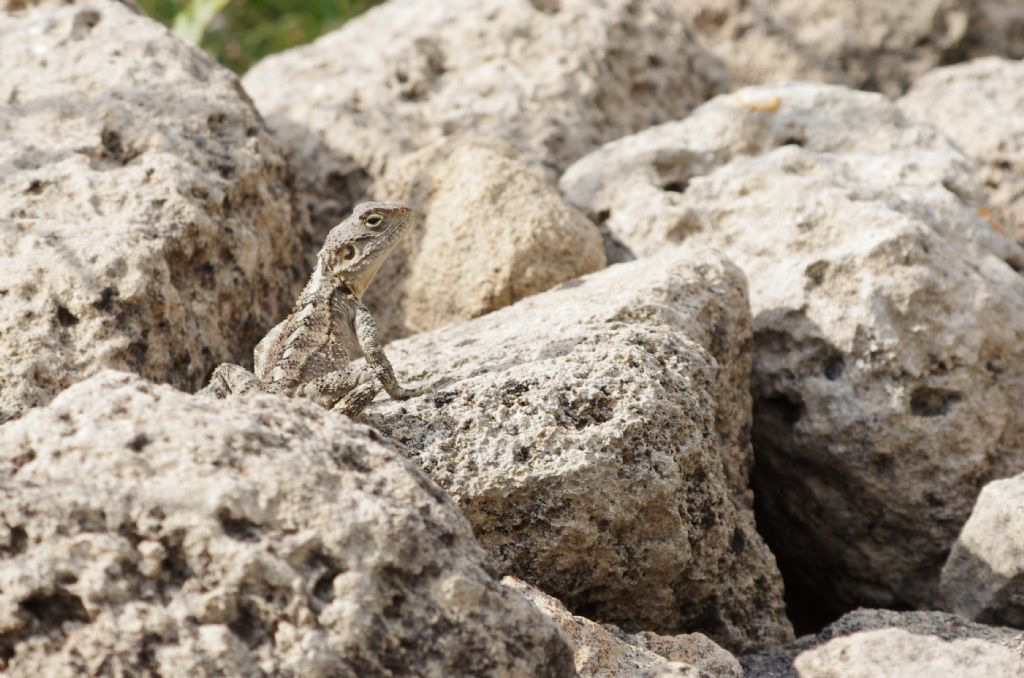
x=308 y=354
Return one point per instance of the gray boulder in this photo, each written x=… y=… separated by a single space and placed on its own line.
x=983 y=579
x=554 y=78
x=887 y=319
x=980 y=105
x=491 y=231
x=146 y=216
x=894 y=652
x=869 y=643
x=865 y=44
x=604 y=650
x=596 y=437
x=146 y=531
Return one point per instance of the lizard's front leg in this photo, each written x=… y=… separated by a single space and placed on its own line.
x=229 y=378
x=330 y=388
x=343 y=391
x=369 y=342
x=356 y=400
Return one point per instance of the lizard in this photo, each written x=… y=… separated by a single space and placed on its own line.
x=308 y=354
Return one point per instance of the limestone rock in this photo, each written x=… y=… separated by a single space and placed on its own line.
x=888 y=357
x=636 y=187
x=942 y=642
x=491 y=231
x=980 y=105
x=983 y=579
x=693 y=651
x=596 y=437
x=996 y=28
x=894 y=652
x=146 y=217
x=554 y=77
x=22 y=5
x=148 y=531
x=607 y=651
x=1017 y=644
x=865 y=44
x=668 y=670
x=941 y=625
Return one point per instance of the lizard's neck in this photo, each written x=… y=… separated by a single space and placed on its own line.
x=321 y=286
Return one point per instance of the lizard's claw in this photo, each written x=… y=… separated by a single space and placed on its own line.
x=406 y=393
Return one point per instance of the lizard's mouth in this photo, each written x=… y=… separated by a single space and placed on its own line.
x=399 y=229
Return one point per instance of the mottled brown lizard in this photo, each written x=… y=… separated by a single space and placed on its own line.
x=308 y=355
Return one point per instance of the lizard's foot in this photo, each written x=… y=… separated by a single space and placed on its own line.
x=228 y=379
x=400 y=393
x=330 y=388
x=356 y=400
x=386 y=378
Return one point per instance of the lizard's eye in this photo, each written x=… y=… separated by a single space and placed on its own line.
x=348 y=253
x=374 y=220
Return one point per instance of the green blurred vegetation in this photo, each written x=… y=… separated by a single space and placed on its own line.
x=246 y=30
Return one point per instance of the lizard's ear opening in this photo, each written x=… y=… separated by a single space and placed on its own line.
x=341 y=262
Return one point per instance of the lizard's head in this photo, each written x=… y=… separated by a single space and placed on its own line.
x=356 y=248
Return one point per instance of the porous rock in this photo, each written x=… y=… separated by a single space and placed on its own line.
x=148 y=531
x=894 y=652
x=888 y=643
x=596 y=437
x=865 y=44
x=636 y=187
x=491 y=231
x=553 y=77
x=146 y=217
x=605 y=650
x=23 y=5
x=980 y=106
x=983 y=579
x=1017 y=644
x=888 y=320
x=668 y=670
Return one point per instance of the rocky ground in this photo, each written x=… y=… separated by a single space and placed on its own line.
x=720 y=304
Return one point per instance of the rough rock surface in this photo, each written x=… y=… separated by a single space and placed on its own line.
x=491 y=231
x=608 y=651
x=980 y=105
x=888 y=326
x=636 y=187
x=927 y=630
x=596 y=437
x=145 y=212
x=554 y=77
x=894 y=652
x=22 y=5
x=996 y=28
x=867 y=44
x=146 y=530
x=984 y=576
